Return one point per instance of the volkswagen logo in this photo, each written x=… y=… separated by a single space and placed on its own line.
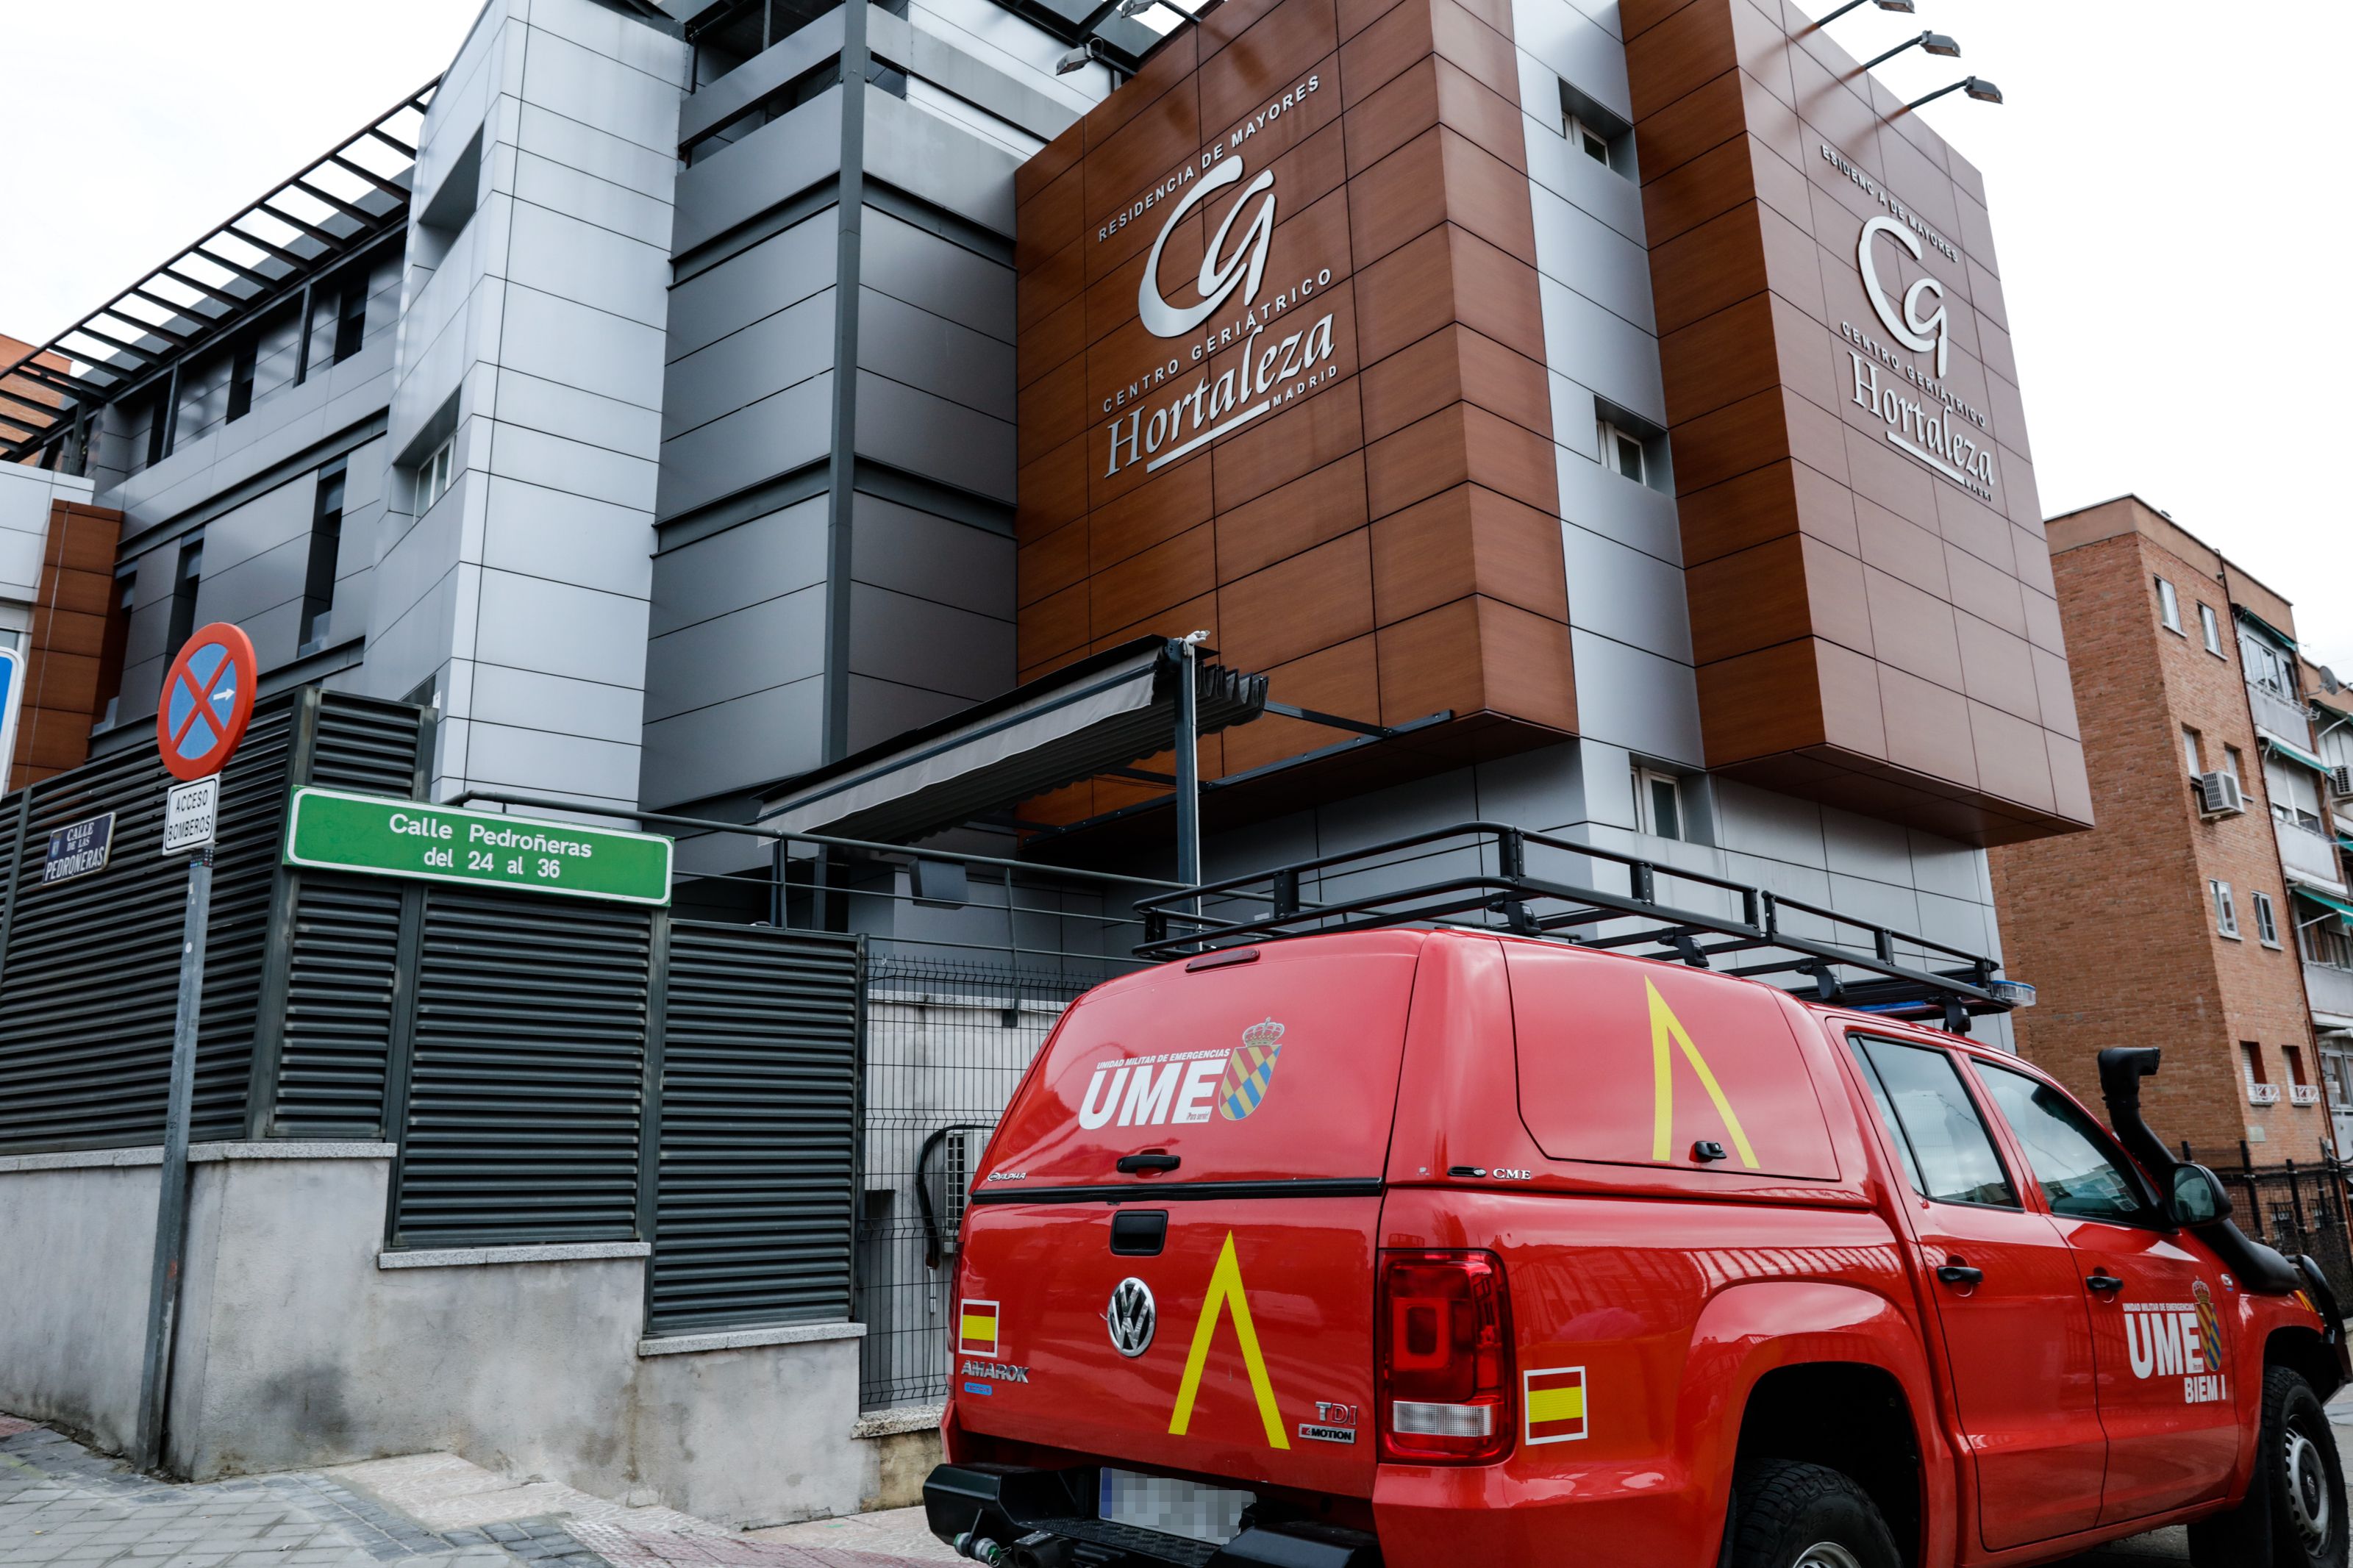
x=1132 y=1317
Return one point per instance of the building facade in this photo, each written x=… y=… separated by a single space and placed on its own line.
x=2216 y=848
x=1595 y=418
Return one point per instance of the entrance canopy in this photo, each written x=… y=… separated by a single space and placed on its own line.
x=1099 y=715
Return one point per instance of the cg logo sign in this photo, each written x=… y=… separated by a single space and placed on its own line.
x=1222 y=273
x=1903 y=323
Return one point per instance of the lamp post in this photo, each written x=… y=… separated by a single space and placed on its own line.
x=1902 y=8
x=1977 y=87
x=1934 y=43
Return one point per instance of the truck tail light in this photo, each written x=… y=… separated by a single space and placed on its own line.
x=1443 y=1370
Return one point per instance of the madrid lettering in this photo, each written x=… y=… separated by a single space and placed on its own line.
x=1272 y=366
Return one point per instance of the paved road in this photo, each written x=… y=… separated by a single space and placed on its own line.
x=63 y=1507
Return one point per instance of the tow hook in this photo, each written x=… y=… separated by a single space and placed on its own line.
x=980 y=1548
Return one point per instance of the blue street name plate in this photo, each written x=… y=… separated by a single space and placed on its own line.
x=79 y=848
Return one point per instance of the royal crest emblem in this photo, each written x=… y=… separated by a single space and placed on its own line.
x=1250 y=1070
x=2209 y=1325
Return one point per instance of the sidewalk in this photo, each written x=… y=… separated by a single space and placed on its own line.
x=62 y=1506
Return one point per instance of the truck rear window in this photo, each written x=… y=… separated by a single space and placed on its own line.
x=1641 y=1064
x=1279 y=1069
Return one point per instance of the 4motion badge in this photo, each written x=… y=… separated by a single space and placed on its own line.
x=1131 y=1316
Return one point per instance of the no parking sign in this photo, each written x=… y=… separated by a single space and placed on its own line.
x=208 y=701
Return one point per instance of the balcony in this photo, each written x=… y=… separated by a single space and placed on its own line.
x=2329 y=989
x=2282 y=716
x=2310 y=856
x=2263 y=1094
x=2303 y=1094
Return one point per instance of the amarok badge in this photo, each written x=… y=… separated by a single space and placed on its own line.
x=1250 y=1070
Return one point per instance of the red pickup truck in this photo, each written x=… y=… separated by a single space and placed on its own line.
x=1427 y=1245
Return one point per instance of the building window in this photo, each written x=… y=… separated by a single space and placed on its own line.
x=2295 y=793
x=350 y=320
x=2251 y=1055
x=433 y=476
x=185 y=579
x=2226 y=911
x=1623 y=452
x=2294 y=1056
x=2266 y=920
x=1658 y=803
x=240 y=379
x=2168 y=607
x=2193 y=750
x=1596 y=131
x=2267 y=666
x=319 y=577
x=2211 y=629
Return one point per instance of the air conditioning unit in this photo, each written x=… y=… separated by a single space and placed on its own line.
x=2340 y=783
x=2218 y=795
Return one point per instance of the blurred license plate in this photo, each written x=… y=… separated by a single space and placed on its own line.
x=1172 y=1507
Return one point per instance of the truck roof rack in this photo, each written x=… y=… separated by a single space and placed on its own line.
x=1481 y=880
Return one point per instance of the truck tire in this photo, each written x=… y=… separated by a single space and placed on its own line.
x=2294 y=1514
x=1786 y=1514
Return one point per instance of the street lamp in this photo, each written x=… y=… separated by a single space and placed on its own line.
x=1977 y=87
x=1903 y=8
x=1934 y=43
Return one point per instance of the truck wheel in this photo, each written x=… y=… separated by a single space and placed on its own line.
x=1790 y=1515
x=2294 y=1512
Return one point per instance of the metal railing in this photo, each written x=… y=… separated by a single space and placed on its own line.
x=2294 y=1207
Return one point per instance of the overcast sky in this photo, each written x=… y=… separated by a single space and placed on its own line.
x=2163 y=179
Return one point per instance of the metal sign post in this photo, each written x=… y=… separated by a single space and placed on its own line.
x=207 y=704
x=172 y=1211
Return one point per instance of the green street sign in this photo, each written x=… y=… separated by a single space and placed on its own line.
x=331 y=830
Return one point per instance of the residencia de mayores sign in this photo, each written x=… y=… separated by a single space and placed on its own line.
x=1288 y=347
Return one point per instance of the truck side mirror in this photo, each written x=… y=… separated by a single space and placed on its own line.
x=2199 y=1197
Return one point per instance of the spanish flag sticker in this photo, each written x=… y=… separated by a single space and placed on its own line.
x=976 y=1330
x=1556 y=1405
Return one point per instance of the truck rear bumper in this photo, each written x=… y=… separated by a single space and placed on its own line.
x=1017 y=1517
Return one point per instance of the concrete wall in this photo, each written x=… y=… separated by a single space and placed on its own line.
x=296 y=1349
x=76 y=1250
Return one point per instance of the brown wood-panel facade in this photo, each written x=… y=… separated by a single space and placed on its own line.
x=1382 y=538
x=1873 y=610
x=67 y=651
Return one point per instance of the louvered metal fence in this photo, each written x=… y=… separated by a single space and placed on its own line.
x=758 y=1129
x=90 y=966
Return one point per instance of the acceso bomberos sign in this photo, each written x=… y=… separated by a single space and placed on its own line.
x=1276 y=364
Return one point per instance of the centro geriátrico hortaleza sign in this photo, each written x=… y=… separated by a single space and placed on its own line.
x=331 y=830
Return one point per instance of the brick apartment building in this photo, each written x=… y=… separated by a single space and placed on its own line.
x=2191 y=915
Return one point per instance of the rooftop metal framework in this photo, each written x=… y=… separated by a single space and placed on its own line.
x=345 y=199
x=1478 y=875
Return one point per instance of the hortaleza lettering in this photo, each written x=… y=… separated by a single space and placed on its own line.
x=1272 y=366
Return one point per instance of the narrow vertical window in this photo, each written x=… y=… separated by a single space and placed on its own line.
x=2193 y=750
x=350 y=320
x=110 y=648
x=2266 y=920
x=319 y=577
x=2168 y=607
x=1658 y=803
x=186 y=578
x=2226 y=910
x=240 y=380
x=2211 y=629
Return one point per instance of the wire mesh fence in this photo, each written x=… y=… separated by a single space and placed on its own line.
x=946 y=1043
